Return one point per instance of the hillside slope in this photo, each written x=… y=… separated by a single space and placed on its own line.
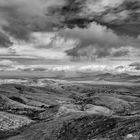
x=69 y=111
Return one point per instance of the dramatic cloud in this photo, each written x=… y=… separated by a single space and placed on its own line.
x=20 y=17
x=97 y=41
x=122 y=16
x=93 y=34
x=65 y=30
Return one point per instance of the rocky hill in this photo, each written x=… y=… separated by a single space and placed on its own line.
x=63 y=110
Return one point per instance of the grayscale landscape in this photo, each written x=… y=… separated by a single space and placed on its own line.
x=69 y=69
x=70 y=109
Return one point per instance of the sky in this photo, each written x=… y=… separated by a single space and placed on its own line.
x=71 y=35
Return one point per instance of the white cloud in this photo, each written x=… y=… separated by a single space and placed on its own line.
x=42 y=39
x=26 y=50
x=42 y=45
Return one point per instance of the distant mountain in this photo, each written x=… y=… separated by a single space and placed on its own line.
x=122 y=77
x=70 y=76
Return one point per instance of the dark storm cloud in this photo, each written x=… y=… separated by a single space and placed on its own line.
x=97 y=25
x=122 y=16
x=97 y=41
x=102 y=25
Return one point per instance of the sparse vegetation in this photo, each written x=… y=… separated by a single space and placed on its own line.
x=69 y=111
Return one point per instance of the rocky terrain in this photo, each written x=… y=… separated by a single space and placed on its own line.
x=67 y=110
